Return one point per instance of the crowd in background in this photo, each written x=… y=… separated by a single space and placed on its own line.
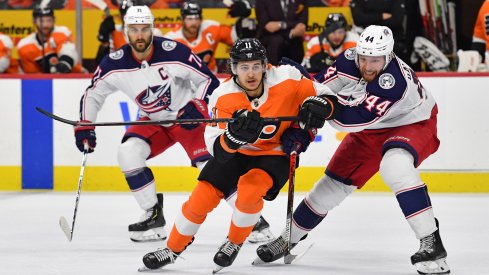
x=426 y=45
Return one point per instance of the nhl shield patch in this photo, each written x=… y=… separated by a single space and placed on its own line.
x=387 y=81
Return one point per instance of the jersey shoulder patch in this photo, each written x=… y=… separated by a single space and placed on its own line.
x=169 y=45
x=117 y=54
x=350 y=53
x=386 y=81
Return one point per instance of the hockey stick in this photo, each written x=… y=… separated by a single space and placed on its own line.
x=288 y=258
x=62 y=220
x=156 y=122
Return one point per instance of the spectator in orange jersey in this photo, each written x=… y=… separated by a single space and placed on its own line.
x=7 y=63
x=323 y=49
x=250 y=156
x=49 y=49
x=480 y=39
x=111 y=36
x=203 y=36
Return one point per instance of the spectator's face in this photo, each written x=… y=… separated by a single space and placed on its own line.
x=250 y=74
x=370 y=66
x=191 y=24
x=44 y=25
x=140 y=36
x=336 y=38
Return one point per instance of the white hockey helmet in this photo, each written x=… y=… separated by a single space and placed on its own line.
x=376 y=41
x=139 y=15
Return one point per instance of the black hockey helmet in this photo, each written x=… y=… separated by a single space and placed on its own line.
x=335 y=21
x=247 y=49
x=190 y=8
x=39 y=11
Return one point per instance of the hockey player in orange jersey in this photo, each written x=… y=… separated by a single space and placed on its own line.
x=480 y=39
x=50 y=49
x=7 y=63
x=323 y=49
x=111 y=36
x=249 y=156
x=203 y=36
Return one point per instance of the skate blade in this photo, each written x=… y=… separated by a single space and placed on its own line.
x=159 y=234
x=148 y=270
x=436 y=267
x=291 y=258
x=217 y=268
x=258 y=261
x=63 y=223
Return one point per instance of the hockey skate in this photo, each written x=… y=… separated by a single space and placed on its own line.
x=161 y=258
x=275 y=250
x=158 y=259
x=431 y=256
x=226 y=255
x=151 y=225
x=261 y=232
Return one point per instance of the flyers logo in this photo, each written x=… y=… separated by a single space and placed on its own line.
x=269 y=130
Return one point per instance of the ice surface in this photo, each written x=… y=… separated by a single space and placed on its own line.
x=367 y=234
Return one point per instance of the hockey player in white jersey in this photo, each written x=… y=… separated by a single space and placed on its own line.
x=166 y=81
x=391 y=118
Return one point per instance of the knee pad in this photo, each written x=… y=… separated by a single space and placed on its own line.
x=252 y=187
x=132 y=154
x=398 y=171
x=327 y=194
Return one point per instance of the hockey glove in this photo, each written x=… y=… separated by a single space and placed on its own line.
x=288 y=61
x=245 y=129
x=240 y=8
x=85 y=134
x=294 y=134
x=315 y=110
x=105 y=29
x=63 y=67
x=195 y=109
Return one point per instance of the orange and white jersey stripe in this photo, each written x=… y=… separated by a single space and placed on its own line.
x=7 y=63
x=481 y=29
x=210 y=34
x=119 y=39
x=59 y=43
x=313 y=47
x=284 y=91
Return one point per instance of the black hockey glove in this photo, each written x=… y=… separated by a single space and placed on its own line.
x=64 y=65
x=245 y=129
x=195 y=109
x=106 y=28
x=288 y=61
x=240 y=8
x=295 y=135
x=85 y=134
x=315 y=110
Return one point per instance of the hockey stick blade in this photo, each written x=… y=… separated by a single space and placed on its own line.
x=291 y=258
x=63 y=223
x=157 y=122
